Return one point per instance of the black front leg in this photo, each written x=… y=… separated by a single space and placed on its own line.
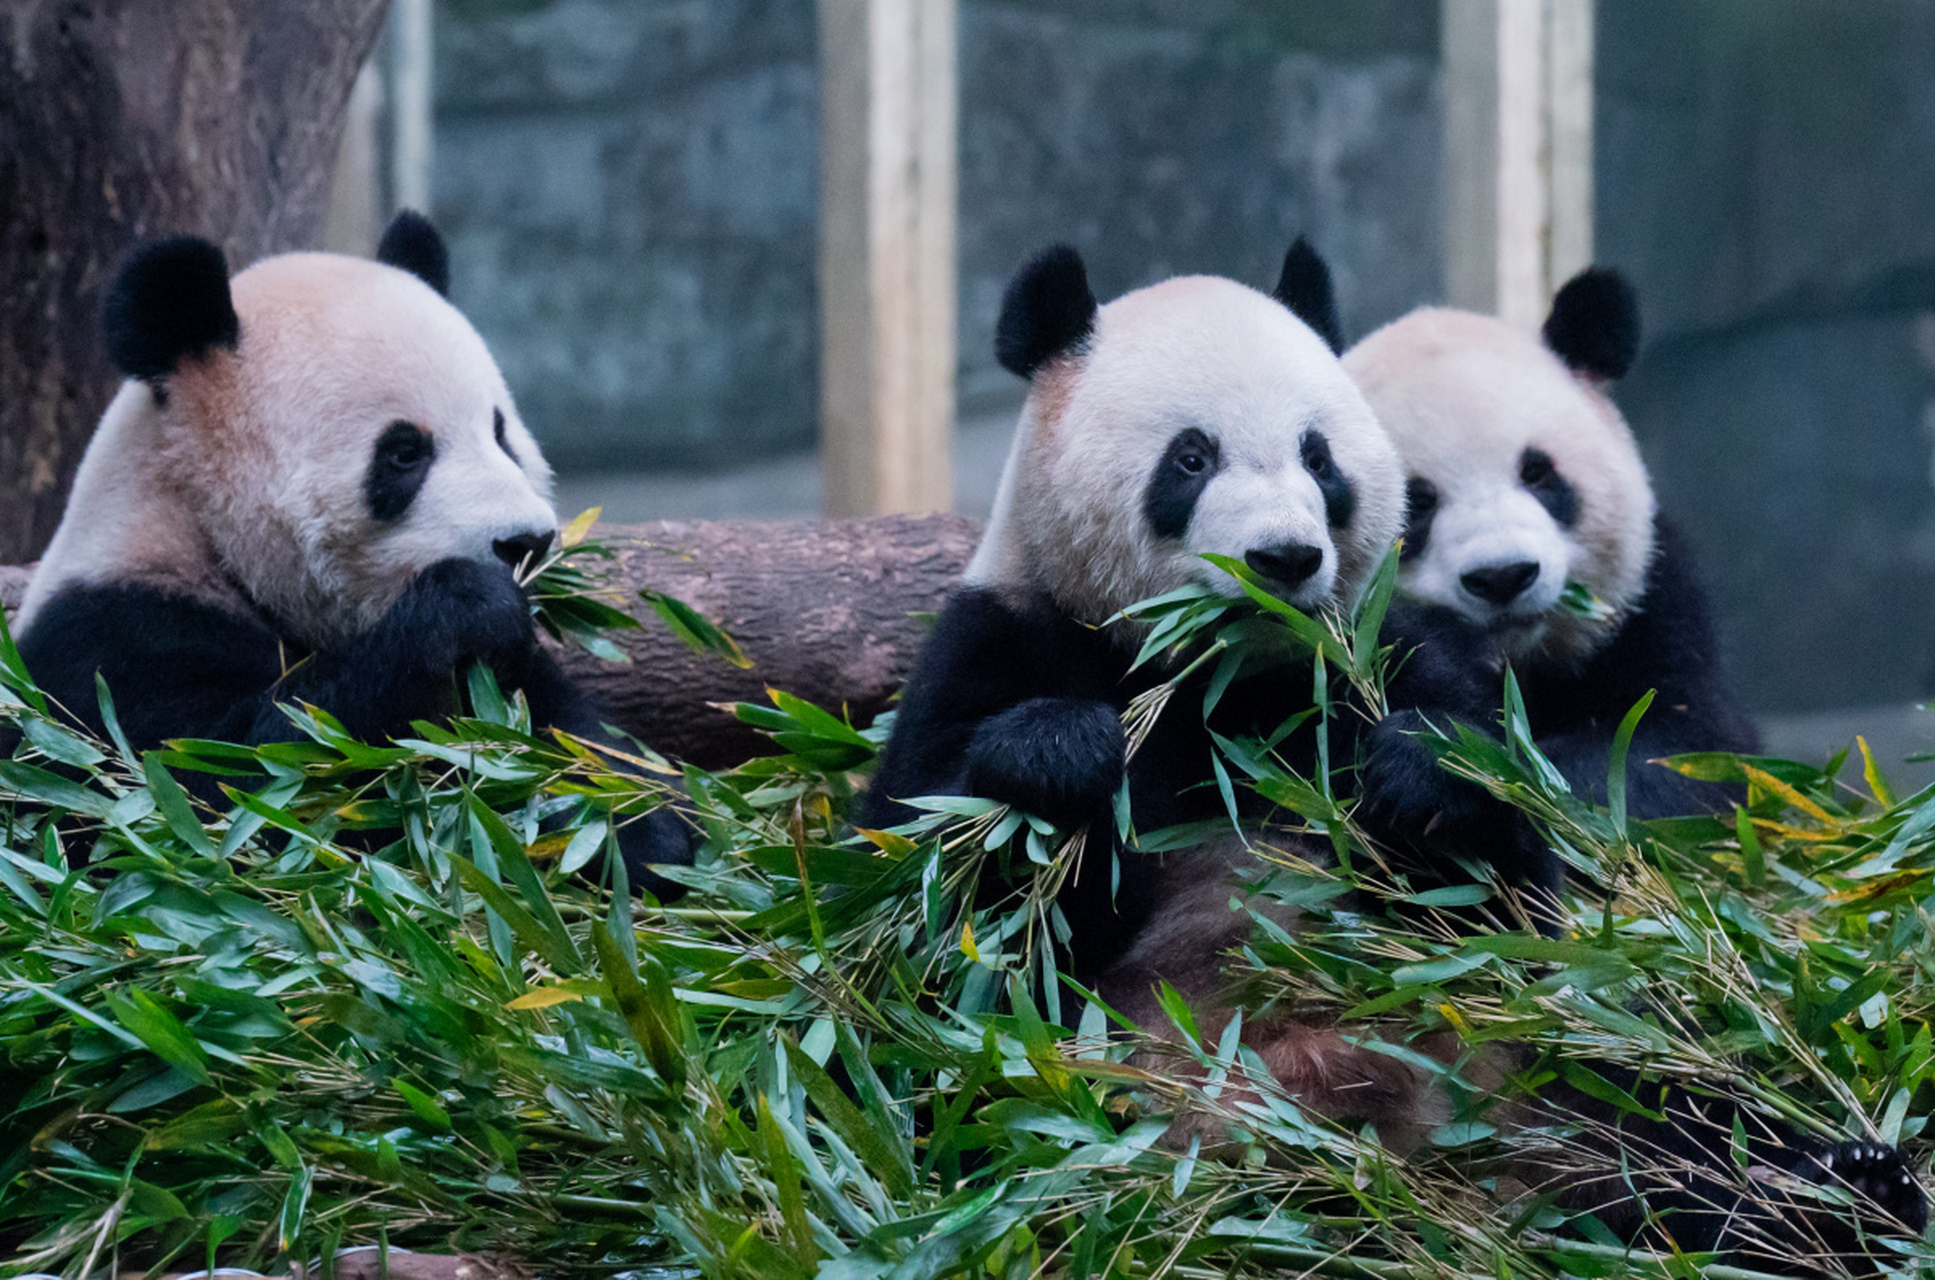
x=406 y=667
x=1058 y=758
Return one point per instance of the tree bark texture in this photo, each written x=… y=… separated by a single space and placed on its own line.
x=824 y=609
x=129 y=120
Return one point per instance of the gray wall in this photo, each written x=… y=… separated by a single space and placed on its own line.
x=1169 y=136
x=629 y=187
x=630 y=193
x=1766 y=172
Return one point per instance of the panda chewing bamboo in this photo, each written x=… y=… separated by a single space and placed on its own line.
x=1532 y=540
x=313 y=487
x=1197 y=415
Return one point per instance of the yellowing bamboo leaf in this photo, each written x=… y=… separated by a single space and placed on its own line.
x=1788 y=793
x=575 y=532
x=543 y=998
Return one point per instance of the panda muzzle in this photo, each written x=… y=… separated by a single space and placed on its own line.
x=1289 y=564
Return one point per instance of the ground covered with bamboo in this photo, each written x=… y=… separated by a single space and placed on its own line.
x=370 y=999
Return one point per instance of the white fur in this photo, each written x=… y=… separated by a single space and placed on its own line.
x=1195 y=351
x=246 y=488
x=1464 y=396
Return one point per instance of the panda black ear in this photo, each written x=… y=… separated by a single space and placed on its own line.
x=1304 y=287
x=1594 y=325
x=169 y=302
x=410 y=243
x=1047 y=310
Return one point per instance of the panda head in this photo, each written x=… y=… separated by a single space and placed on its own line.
x=327 y=426
x=1196 y=415
x=1523 y=476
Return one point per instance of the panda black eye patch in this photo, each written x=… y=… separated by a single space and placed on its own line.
x=1179 y=478
x=1340 y=498
x=1420 y=508
x=497 y=430
x=398 y=466
x=1543 y=481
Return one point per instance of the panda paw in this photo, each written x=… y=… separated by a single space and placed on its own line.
x=1405 y=792
x=466 y=610
x=1058 y=758
x=1879 y=1179
x=664 y=837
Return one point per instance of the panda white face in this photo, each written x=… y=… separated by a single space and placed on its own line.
x=353 y=431
x=1197 y=416
x=1523 y=478
x=360 y=433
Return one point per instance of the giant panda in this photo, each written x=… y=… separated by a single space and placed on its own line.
x=313 y=487
x=1197 y=415
x=1532 y=534
x=1194 y=415
x=1525 y=485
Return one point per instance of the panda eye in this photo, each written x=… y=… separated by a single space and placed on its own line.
x=1191 y=464
x=404 y=447
x=1316 y=456
x=1534 y=468
x=497 y=430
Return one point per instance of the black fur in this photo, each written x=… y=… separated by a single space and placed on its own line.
x=168 y=304
x=411 y=243
x=1179 y=478
x=1340 y=496
x=1594 y=324
x=399 y=465
x=1668 y=643
x=1059 y=758
x=1304 y=286
x=1047 y=311
x=1711 y=1205
x=1544 y=481
x=1420 y=509
x=177 y=668
x=1013 y=700
x=503 y=441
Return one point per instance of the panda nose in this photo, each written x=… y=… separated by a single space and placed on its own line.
x=1289 y=563
x=1501 y=583
x=515 y=550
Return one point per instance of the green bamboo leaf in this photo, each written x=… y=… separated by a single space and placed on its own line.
x=511 y=860
x=1616 y=764
x=163 y=1033
x=871 y=1134
x=645 y=999
x=428 y=1109
x=693 y=627
x=533 y=936
x=172 y=803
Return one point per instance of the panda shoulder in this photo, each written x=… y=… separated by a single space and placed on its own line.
x=1670 y=639
x=1003 y=626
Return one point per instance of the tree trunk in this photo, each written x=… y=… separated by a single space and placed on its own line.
x=127 y=120
x=824 y=609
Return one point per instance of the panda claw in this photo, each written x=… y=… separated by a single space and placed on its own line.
x=1877 y=1175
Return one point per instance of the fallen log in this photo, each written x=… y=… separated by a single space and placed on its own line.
x=826 y=609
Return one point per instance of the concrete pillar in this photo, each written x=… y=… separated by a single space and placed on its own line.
x=356 y=191
x=887 y=254
x=411 y=84
x=1517 y=152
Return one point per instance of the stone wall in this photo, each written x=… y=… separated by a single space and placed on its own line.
x=630 y=191
x=629 y=187
x=1766 y=171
